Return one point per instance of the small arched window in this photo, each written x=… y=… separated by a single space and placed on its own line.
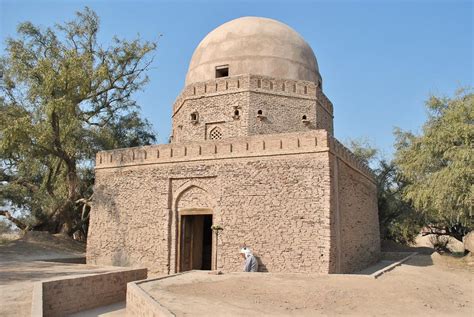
x=236 y=113
x=259 y=112
x=304 y=117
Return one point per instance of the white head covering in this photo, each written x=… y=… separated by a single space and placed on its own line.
x=246 y=251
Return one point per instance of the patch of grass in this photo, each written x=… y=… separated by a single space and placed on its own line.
x=8 y=237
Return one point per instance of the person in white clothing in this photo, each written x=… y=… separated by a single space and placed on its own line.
x=251 y=264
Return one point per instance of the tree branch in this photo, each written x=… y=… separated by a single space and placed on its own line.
x=14 y=220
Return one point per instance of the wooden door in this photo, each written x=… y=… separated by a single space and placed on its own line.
x=186 y=243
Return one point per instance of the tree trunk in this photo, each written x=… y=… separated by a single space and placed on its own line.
x=15 y=221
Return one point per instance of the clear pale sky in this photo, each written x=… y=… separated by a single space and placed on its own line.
x=379 y=60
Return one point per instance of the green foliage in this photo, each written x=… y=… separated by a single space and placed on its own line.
x=398 y=220
x=64 y=97
x=438 y=165
x=363 y=149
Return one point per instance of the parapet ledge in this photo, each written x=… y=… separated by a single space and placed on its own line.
x=286 y=87
x=251 y=146
x=345 y=154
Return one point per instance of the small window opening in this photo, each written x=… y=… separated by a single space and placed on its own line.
x=260 y=112
x=305 y=90
x=259 y=83
x=215 y=134
x=222 y=71
x=194 y=117
x=271 y=85
x=294 y=88
x=236 y=115
x=283 y=87
x=305 y=120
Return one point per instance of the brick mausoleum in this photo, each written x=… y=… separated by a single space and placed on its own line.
x=252 y=150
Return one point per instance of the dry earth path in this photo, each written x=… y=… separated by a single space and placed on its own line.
x=417 y=288
x=23 y=262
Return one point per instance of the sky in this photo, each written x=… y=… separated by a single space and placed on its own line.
x=379 y=60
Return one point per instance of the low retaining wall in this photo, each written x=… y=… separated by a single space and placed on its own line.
x=63 y=296
x=140 y=303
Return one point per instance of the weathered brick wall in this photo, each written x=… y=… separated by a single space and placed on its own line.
x=284 y=195
x=354 y=211
x=283 y=102
x=129 y=220
x=274 y=199
x=64 y=296
x=279 y=208
x=140 y=303
x=280 y=114
x=213 y=111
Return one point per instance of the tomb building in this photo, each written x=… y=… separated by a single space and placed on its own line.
x=252 y=151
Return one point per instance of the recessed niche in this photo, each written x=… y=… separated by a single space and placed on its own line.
x=222 y=71
x=194 y=117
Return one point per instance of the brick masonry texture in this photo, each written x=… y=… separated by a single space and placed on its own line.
x=300 y=200
x=283 y=104
x=140 y=303
x=61 y=297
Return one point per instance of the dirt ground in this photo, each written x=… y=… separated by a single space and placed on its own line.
x=424 y=285
x=22 y=262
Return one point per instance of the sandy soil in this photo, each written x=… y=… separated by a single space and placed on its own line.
x=22 y=263
x=425 y=285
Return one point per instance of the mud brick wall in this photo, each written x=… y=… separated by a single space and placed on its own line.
x=360 y=238
x=270 y=193
x=61 y=297
x=140 y=303
x=300 y=200
x=283 y=103
x=355 y=229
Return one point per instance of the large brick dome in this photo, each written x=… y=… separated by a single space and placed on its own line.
x=253 y=45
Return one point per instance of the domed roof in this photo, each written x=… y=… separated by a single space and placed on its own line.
x=254 y=45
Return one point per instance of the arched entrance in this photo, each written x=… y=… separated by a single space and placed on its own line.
x=195 y=238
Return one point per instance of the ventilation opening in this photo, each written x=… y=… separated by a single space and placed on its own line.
x=236 y=113
x=304 y=117
x=215 y=134
x=222 y=71
x=260 y=112
x=194 y=117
